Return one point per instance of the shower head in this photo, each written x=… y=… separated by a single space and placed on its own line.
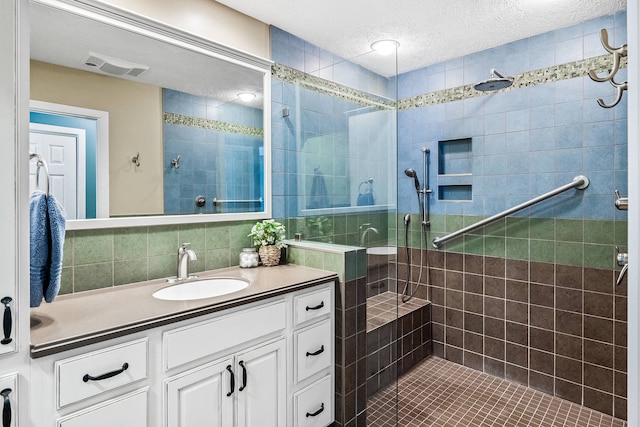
x=412 y=174
x=496 y=82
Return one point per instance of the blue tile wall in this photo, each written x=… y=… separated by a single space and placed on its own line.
x=526 y=141
x=213 y=163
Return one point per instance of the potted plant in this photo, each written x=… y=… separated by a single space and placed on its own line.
x=268 y=237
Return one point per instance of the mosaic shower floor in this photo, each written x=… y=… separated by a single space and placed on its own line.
x=441 y=393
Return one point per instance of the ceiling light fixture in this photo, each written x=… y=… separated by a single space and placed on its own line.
x=385 y=47
x=246 y=96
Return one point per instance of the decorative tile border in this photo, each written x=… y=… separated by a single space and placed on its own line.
x=327 y=87
x=556 y=73
x=179 y=119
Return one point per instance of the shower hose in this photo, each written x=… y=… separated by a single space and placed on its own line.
x=406 y=294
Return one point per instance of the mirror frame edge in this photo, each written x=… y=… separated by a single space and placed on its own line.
x=93 y=9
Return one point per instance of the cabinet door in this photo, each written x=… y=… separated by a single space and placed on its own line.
x=201 y=397
x=8 y=400
x=262 y=382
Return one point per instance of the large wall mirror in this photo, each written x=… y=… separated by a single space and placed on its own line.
x=141 y=124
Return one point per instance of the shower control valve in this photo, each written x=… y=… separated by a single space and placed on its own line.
x=622 y=258
x=622 y=203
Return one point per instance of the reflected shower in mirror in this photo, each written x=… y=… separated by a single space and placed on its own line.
x=346 y=163
x=165 y=99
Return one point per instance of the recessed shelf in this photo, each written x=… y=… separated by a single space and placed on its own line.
x=454 y=192
x=454 y=170
x=454 y=156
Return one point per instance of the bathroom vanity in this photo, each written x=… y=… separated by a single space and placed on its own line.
x=120 y=357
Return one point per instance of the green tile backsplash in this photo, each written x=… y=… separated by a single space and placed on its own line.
x=96 y=259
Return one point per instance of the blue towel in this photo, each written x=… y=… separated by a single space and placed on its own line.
x=319 y=197
x=365 y=199
x=47 y=227
x=57 y=223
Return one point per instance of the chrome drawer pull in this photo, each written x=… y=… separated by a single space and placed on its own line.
x=315 y=353
x=88 y=377
x=318 y=412
x=317 y=307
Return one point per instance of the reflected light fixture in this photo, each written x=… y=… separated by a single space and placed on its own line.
x=246 y=96
x=385 y=47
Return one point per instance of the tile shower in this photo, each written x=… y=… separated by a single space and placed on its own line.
x=530 y=298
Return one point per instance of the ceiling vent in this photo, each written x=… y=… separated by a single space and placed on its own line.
x=113 y=66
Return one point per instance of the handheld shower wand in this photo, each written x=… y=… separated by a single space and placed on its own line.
x=412 y=174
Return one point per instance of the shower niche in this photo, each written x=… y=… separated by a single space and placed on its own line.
x=454 y=170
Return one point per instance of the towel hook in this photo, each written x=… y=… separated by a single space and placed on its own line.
x=618 y=54
x=175 y=163
x=41 y=163
x=136 y=159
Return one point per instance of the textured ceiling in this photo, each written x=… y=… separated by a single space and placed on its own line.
x=429 y=31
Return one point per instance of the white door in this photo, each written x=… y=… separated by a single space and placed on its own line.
x=201 y=397
x=261 y=375
x=63 y=149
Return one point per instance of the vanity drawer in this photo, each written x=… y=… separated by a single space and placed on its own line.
x=128 y=410
x=90 y=374
x=312 y=405
x=312 y=305
x=206 y=338
x=313 y=349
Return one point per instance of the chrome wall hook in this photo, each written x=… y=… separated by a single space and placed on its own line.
x=175 y=163
x=618 y=54
x=136 y=159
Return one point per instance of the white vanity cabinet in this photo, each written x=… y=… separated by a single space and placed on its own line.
x=246 y=389
x=106 y=386
x=267 y=363
x=271 y=365
x=313 y=358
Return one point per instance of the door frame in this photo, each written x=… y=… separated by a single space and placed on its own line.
x=633 y=233
x=102 y=145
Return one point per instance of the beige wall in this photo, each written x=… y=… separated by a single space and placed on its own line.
x=208 y=19
x=135 y=125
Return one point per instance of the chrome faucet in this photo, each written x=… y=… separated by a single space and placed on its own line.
x=367 y=228
x=184 y=256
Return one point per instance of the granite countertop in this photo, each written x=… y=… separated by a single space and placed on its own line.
x=85 y=318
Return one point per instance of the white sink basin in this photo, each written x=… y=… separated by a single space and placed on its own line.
x=200 y=289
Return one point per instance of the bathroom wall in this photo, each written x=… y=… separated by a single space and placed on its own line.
x=208 y=19
x=531 y=298
x=135 y=125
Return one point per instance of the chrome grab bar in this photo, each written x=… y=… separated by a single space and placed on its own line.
x=580 y=182
x=216 y=201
